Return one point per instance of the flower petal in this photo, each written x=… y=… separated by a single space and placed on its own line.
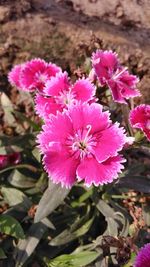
x=105 y=63
x=143 y=257
x=140 y=118
x=83 y=115
x=97 y=173
x=84 y=90
x=110 y=141
x=14 y=76
x=57 y=129
x=45 y=106
x=60 y=167
x=124 y=86
x=57 y=84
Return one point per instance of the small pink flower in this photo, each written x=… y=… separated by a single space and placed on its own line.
x=117 y=78
x=143 y=257
x=140 y=118
x=33 y=74
x=61 y=94
x=14 y=75
x=82 y=143
x=10 y=159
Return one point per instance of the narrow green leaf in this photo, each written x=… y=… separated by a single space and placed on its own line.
x=73 y=260
x=19 y=180
x=14 y=196
x=2 y=254
x=69 y=235
x=52 y=198
x=10 y=226
x=26 y=247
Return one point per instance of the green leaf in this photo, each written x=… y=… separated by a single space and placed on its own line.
x=14 y=197
x=2 y=254
x=26 y=247
x=52 y=198
x=73 y=260
x=73 y=233
x=17 y=179
x=36 y=153
x=10 y=226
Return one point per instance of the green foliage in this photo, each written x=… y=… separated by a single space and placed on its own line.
x=73 y=260
x=10 y=226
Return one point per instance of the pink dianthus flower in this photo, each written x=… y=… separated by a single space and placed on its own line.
x=60 y=94
x=33 y=74
x=14 y=76
x=117 y=78
x=82 y=143
x=143 y=257
x=140 y=118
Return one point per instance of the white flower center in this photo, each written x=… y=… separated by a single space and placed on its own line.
x=65 y=98
x=82 y=143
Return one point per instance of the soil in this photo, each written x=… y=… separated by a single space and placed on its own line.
x=66 y=32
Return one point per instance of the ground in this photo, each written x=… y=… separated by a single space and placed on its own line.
x=61 y=31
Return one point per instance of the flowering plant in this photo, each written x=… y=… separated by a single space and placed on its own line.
x=84 y=147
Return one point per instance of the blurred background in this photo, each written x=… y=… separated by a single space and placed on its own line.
x=67 y=31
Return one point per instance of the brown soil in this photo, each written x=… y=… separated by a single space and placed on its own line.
x=66 y=32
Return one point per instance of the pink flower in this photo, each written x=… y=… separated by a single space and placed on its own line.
x=140 y=118
x=117 y=78
x=33 y=74
x=82 y=143
x=62 y=94
x=36 y=73
x=10 y=159
x=14 y=75
x=143 y=257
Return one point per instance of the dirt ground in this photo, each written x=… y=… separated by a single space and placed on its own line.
x=66 y=32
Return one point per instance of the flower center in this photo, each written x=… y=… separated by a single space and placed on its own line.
x=118 y=73
x=65 y=98
x=41 y=77
x=82 y=143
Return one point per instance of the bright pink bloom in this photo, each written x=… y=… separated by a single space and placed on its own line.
x=10 y=159
x=36 y=73
x=143 y=257
x=117 y=78
x=82 y=143
x=62 y=94
x=14 y=75
x=140 y=118
x=45 y=106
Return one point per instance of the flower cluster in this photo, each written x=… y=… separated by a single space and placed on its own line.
x=78 y=139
